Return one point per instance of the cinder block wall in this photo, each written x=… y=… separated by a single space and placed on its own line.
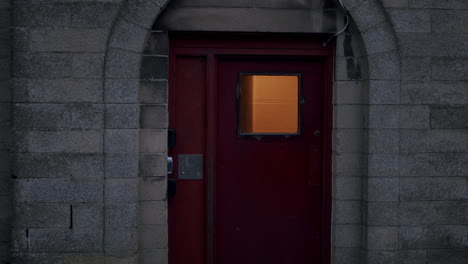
x=5 y=132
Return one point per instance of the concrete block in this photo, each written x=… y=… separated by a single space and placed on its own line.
x=154 y=67
x=382 y=237
x=382 y=213
x=94 y=14
x=57 y=190
x=63 y=91
x=153 y=140
x=350 y=92
x=68 y=39
x=88 y=66
x=153 y=92
x=128 y=36
x=150 y=256
x=416 y=68
x=123 y=141
x=384 y=92
x=384 y=141
x=433 y=44
x=122 y=215
x=154 y=237
x=58 y=165
x=410 y=20
x=157 y=44
x=59 y=141
x=42 y=215
x=433 y=213
x=123 y=64
x=433 y=164
x=395 y=3
x=153 y=213
x=121 y=191
x=350 y=68
x=349 y=140
x=348 y=212
x=40 y=14
x=65 y=240
x=437 y=237
x=433 y=189
x=434 y=93
x=397 y=256
x=343 y=255
x=46 y=66
x=382 y=165
x=350 y=116
x=450 y=69
x=349 y=164
x=122 y=115
x=384 y=66
x=121 y=91
x=383 y=189
x=367 y=14
x=133 y=259
x=452 y=256
x=153 y=165
x=443 y=140
x=152 y=189
x=121 y=165
x=449 y=21
x=20 y=40
x=58 y=258
x=383 y=116
x=348 y=188
x=449 y=117
x=348 y=236
x=58 y=116
x=434 y=4
x=414 y=117
x=380 y=39
x=121 y=242
x=19 y=240
x=154 y=116
x=143 y=13
x=88 y=215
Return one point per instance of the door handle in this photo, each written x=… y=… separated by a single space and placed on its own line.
x=171 y=188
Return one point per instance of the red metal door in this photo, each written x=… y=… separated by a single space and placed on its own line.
x=261 y=199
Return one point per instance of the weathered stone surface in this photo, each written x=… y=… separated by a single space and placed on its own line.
x=153 y=92
x=94 y=14
x=57 y=190
x=383 y=165
x=349 y=164
x=433 y=213
x=442 y=256
x=153 y=165
x=433 y=164
x=88 y=65
x=122 y=215
x=5 y=137
x=382 y=237
x=349 y=140
x=434 y=93
x=383 y=116
x=350 y=68
x=121 y=190
x=434 y=189
x=121 y=91
x=438 y=236
x=433 y=44
x=448 y=4
x=384 y=140
x=5 y=184
x=384 y=92
x=122 y=116
x=416 y=68
x=121 y=242
x=88 y=215
x=343 y=255
x=407 y=20
x=122 y=64
x=415 y=117
x=157 y=44
x=49 y=65
x=128 y=36
x=152 y=189
x=121 y=141
x=68 y=39
x=380 y=39
x=153 y=213
x=449 y=117
x=19 y=240
x=449 y=21
x=348 y=212
x=450 y=69
x=443 y=140
x=154 y=67
x=143 y=12
x=63 y=91
x=40 y=14
x=65 y=240
x=382 y=213
x=5 y=91
x=350 y=92
x=150 y=256
x=5 y=113
x=350 y=116
x=59 y=141
x=367 y=14
x=154 y=116
x=348 y=235
x=384 y=66
x=153 y=237
x=348 y=188
x=383 y=189
x=58 y=258
x=121 y=165
x=42 y=215
x=153 y=140
x=58 y=116
x=397 y=257
x=52 y=165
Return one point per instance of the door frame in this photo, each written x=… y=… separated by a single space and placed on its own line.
x=248 y=45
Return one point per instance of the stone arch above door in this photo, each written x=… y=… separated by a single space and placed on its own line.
x=367 y=85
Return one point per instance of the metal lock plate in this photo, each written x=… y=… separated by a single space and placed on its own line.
x=190 y=166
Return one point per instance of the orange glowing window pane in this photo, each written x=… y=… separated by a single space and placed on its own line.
x=269 y=104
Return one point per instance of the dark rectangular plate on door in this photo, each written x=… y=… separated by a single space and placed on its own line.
x=190 y=167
